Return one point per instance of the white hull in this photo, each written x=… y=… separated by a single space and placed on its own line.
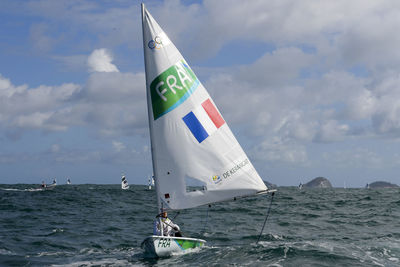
x=124 y=183
x=49 y=187
x=163 y=246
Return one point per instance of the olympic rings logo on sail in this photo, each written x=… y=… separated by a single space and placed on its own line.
x=156 y=43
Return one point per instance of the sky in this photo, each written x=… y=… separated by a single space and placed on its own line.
x=309 y=88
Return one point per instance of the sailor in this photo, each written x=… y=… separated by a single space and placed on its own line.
x=43 y=184
x=169 y=228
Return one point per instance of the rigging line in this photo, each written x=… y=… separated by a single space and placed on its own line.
x=266 y=218
x=176 y=215
x=174 y=228
x=204 y=228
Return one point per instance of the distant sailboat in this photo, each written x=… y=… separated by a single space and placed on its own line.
x=151 y=182
x=124 y=183
x=190 y=141
x=43 y=185
x=50 y=186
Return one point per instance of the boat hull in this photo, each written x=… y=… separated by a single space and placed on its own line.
x=163 y=246
x=49 y=187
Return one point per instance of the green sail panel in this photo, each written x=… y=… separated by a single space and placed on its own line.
x=171 y=88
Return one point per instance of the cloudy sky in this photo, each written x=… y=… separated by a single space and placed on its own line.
x=309 y=88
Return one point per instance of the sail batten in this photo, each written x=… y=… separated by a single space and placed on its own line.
x=190 y=139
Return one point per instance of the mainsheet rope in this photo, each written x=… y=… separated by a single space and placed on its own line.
x=205 y=225
x=266 y=218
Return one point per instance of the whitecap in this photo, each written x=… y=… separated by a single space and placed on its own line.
x=11 y=189
x=183 y=252
x=46 y=253
x=277 y=237
x=89 y=251
x=5 y=252
x=106 y=262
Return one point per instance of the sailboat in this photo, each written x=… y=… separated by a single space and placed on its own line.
x=190 y=141
x=151 y=182
x=124 y=183
x=50 y=186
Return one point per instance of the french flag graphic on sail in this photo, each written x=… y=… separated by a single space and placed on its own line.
x=204 y=120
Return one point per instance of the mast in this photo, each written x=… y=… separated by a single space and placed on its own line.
x=159 y=208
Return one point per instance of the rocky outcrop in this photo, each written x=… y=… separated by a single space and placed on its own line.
x=319 y=182
x=381 y=184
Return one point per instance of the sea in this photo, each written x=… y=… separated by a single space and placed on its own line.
x=102 y=225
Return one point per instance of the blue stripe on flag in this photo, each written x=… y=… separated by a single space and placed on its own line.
x=195 y=127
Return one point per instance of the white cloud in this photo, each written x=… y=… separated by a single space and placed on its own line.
x=354 y=158
x=277 y=150
x=41 y=39
x=331 y=131
x=100 y=61
x=118 y=146
x=55 y=148
x=281 y=99
x=115 y=103
x=7 y=89
x=329 y=71
x=34 y=108
x=73 y=62
x=37 y=120
x=280 y=67
x=386 y=118
x=109 y=104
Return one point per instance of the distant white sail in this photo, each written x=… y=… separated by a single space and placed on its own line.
x=124 y=183
x=151 y=182
x=191 y=142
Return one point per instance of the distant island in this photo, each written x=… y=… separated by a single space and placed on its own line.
x=319 y=182
x=381 y=184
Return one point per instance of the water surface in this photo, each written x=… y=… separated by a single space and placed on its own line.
x=84 y=225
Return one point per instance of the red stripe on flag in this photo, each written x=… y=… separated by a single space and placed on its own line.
x=213 y=113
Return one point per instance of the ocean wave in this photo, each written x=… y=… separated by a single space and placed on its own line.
x=77 y=226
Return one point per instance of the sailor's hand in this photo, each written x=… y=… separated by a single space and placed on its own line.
x=176 y=228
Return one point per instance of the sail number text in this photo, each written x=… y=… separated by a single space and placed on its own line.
x=164 y=243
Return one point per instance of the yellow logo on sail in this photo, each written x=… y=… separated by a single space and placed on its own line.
x=216 y=179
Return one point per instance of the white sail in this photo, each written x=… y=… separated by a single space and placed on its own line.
x=124 y=183
x=151 y=182
x=191 y=142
